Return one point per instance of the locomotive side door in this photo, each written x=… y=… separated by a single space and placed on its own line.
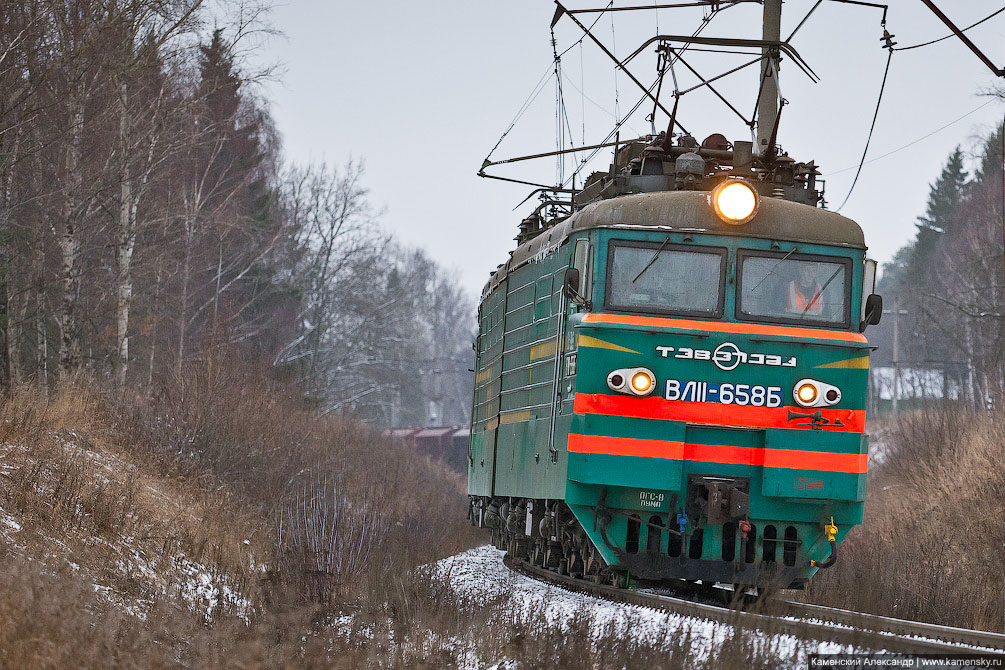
x=566 y=349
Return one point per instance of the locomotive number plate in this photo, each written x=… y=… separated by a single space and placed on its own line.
x=727 y=394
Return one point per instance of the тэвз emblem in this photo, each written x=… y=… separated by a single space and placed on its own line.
x=727 y=356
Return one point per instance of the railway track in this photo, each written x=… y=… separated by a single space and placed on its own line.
x=856 y=629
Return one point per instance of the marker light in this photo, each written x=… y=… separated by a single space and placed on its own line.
x=806 y=394
x=642 y=382
x=633 y=381
x=735 y=201
x=811 y=393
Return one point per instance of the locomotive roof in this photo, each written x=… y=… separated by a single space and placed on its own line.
x=689 y=211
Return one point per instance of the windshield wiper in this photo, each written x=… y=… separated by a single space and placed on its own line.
x=652 y=260
x=772 y=270
x=819 y=293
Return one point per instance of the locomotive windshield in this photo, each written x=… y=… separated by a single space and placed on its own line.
x=665 y=279
x=792 y=288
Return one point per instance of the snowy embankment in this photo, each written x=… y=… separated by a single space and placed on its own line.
x=86 y=512
x=479 y=576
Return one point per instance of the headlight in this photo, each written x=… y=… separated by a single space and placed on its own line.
x=811 y=393
x=734 y=201
x=635 y=381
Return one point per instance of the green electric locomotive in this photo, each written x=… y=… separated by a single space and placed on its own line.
x=671 y=377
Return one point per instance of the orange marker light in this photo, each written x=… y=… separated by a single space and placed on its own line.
x=642 y=382
x=806 y=394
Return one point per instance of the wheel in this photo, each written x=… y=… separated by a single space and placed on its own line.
x=577 y=567
x=764 y=596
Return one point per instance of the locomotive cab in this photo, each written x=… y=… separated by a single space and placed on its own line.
x=671 y=385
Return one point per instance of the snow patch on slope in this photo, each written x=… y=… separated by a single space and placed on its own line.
x=479 y=575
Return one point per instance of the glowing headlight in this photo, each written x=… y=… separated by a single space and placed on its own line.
x=734 y=201
x=634 y=381
x=811 y=393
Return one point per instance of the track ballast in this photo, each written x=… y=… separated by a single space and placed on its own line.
x=856 y=629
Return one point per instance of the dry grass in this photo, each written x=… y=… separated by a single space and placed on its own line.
x=79 y=486
x=131 y=519
x=933 y=539
x=349 y=508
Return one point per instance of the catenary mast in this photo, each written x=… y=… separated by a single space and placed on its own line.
x=767 y=102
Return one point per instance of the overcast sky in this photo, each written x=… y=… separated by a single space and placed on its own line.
x=421 y=91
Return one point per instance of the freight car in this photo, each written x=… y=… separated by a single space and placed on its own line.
x=670 y=382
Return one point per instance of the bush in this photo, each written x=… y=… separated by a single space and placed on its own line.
x=932 y=542
x=349 y=508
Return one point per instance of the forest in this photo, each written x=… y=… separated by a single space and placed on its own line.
x=948 y=283
x=149 y=221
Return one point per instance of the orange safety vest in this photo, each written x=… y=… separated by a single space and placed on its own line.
x=800 y=304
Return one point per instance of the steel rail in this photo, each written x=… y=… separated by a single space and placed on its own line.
x=966 y=636
x=862 y=631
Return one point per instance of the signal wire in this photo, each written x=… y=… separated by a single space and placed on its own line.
x=868 y=140
x=913 y=142
x=570 y=82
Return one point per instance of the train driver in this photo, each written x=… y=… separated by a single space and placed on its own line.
x=805 y=293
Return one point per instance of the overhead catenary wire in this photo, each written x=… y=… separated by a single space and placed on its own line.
x=620 y=122
x=536 y=91
x=580 y=40
x=613 y=132
x=582 y=91
x=951 y=35
x=559 y=105
x=872 y=127
x=645 y=96
x=614 y=49
x=540 y=85
x=563 y=123
x=568 y=124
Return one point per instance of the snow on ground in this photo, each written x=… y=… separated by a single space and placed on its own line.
x=480 y=575
x=198 y=587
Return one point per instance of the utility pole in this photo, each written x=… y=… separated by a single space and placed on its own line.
x=767 y=101
x=896 y=353
x=896 y=311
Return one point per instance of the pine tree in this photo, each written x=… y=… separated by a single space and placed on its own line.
x=991 y=158
x=927 y=342
x=944 y=198
x=232 y=138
